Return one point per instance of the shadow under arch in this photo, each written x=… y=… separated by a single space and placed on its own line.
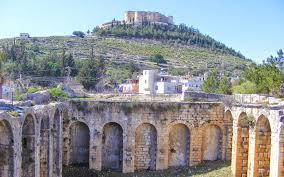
x=79 y=144
x=28 y=147
x=6 y=149
x=112 y=147
x=179 y=145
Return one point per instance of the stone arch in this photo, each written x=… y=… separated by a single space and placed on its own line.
x=262 y=147
x=79 y=143
x=6 y=149
x=112 y=147
x=281 y=153
x=44 y=147
x=212 y=143
x=145 y=147
x=229 y=134
x=56 y=142
x=179 y=145
x=28 y=147
x=242 y=145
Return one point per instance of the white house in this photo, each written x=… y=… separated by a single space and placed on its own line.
x=193 y=83
x=152 y=82
x=24 y=36
x=147 y=82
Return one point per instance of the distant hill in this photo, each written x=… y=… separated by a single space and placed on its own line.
x=171 y=34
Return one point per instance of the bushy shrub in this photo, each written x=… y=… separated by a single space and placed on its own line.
x=246 y=87
x=34 y=89
x=57 y=93
x=158 y=58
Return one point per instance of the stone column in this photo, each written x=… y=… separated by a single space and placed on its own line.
x=17 y=132
x=251 y=154
x=37 y=147
x=60 y=145
x=128 y=150
x=234 y=144
x=274 y=154
x=195 y=146
x=275 y=143
x=95 y=149
x=162 y=148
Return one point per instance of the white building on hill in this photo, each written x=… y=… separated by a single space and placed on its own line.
x=153 y=82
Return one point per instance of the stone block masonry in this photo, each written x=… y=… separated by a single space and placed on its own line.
x=130 y=136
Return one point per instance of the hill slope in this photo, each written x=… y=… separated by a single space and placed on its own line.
x=121 y=51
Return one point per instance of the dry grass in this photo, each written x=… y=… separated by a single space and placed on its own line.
x=208 y=169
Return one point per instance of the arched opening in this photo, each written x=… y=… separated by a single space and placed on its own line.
x=44 y=147
x=145 y=147
x=262 y=147
x=242 y=145
x=28 y=147
x=79 y=144
x=179 y=143
x=6 y=149
x=112 y=147
x=212 y=143
x=56 y=143
x=229 y=134
x=281 y=153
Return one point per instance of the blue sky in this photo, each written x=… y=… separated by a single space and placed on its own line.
x=255 y=27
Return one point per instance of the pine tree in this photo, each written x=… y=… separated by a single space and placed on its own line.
x=210 y=85
x=225 y=86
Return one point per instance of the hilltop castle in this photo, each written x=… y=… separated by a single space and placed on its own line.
x=141 y=17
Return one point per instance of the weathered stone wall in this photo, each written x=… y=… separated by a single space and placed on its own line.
x=145 y=147
x=129 y=136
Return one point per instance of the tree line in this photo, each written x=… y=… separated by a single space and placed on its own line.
x=173 y=34
x=266 y=78
x=94 y=73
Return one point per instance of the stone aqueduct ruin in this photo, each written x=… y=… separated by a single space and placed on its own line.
x=130 y=136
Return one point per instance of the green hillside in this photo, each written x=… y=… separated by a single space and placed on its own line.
x=42 y=56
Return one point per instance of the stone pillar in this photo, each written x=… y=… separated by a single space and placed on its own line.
x=37 y=148
x=195 y=146
x=17 y=132
x=162 y=149
x=274 y=154
x=251 y=154
x=234 y=145
x=50 y=149
x=95 y=149
x=60 y=145
x=128 y=151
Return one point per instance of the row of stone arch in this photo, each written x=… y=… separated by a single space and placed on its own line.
x=260 y=146
x=28 y=142
x=145 y=155
x=145 y=146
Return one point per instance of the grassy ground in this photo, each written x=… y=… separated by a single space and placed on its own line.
x=208 y=169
